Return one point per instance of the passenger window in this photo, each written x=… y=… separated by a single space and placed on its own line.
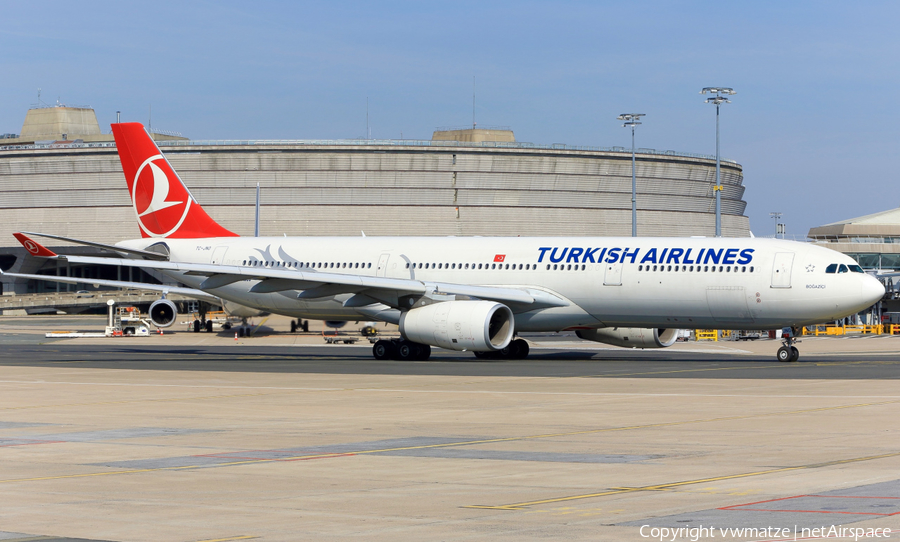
x=843 y=269
x=548 y=267
x=479 y=266
x=654 y=268
x=554 y=267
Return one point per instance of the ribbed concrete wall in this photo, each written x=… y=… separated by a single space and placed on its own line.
x=342 y=189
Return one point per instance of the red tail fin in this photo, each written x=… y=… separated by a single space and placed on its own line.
x=162 y=203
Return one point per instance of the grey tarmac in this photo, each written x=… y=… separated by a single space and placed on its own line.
x=196 y=437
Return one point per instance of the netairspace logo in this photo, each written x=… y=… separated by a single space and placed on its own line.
x=666 y=534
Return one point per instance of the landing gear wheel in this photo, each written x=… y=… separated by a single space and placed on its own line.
x=196 y=326
x=422 y=352
x=293 y=326
x=406 y=351
x=383 y=350
x=784 y=354
x=795 y=354
x=520 y=349
x=209 y=325
x=482 y=355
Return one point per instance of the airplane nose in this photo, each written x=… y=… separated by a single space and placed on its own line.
x=872 y=289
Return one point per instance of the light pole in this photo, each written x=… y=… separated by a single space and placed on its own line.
x=778 y=226
x=632 y=119
x=718 y=99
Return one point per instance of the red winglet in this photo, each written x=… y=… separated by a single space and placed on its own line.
x=33 y=247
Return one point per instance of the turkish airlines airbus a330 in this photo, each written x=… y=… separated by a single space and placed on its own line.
x=464 y=293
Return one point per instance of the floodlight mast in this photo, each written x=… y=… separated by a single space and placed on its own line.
x=718 y=99
x=632 y=120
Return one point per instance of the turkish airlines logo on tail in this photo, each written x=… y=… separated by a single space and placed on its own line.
x=31 y=246
x=160 y=200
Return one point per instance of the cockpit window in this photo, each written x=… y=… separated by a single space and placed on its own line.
x=831 y=268
x=856 y=269
x=843 y=269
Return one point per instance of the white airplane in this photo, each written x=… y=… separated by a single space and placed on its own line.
x=476 y=293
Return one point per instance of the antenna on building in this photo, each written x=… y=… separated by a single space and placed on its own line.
x=473 y=102
x=256 y=229
x=39 y=97
x=118 y=116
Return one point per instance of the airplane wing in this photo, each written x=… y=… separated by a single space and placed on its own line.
x=188 y=292
x=144 y=253
x=314 y=284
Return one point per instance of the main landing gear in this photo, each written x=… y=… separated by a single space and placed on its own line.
x=789 y=352
x=401 y=350
x=516 y=349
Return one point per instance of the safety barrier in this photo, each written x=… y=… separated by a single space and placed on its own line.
x=706 y=334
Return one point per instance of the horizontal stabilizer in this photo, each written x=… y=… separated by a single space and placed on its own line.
x=145 y=253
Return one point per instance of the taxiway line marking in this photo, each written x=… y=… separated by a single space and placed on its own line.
x=165 y=400
x=244 y=537
x=408 y=390
x=671 y=485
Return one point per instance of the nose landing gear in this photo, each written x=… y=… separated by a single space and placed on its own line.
x=789 y=352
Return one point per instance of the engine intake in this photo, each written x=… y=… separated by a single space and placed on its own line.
x=630 y=337
x=162 y=313
x=480 y=326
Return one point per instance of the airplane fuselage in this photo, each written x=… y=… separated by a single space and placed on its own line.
x=719 y=283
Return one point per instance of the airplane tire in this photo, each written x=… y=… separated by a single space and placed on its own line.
x=209 y=326
x=196 y=326
x=383 y=350
x=406 y=351
x=521 y=349
x=293 y=326
x=784 y=354
x=795 y=354
x=423 y=352
x=305 y=326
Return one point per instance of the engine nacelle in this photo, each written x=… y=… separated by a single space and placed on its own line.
x=480 y=326
x=162 y=313
x=630 y=337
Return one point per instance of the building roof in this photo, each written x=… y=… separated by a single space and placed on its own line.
x=876 y=224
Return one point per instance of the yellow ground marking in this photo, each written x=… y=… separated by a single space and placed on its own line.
x=484 y=441
x=672 y=485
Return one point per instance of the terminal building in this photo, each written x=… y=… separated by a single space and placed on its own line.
x=62 y=176
x=872 y=240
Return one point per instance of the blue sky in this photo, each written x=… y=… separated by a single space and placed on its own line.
x=814 y=123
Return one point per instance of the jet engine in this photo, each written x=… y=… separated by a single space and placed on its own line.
x=162 y=313
x=480 y=326
x=630 y=337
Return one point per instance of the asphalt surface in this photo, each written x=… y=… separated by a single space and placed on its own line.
x=543 y=362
